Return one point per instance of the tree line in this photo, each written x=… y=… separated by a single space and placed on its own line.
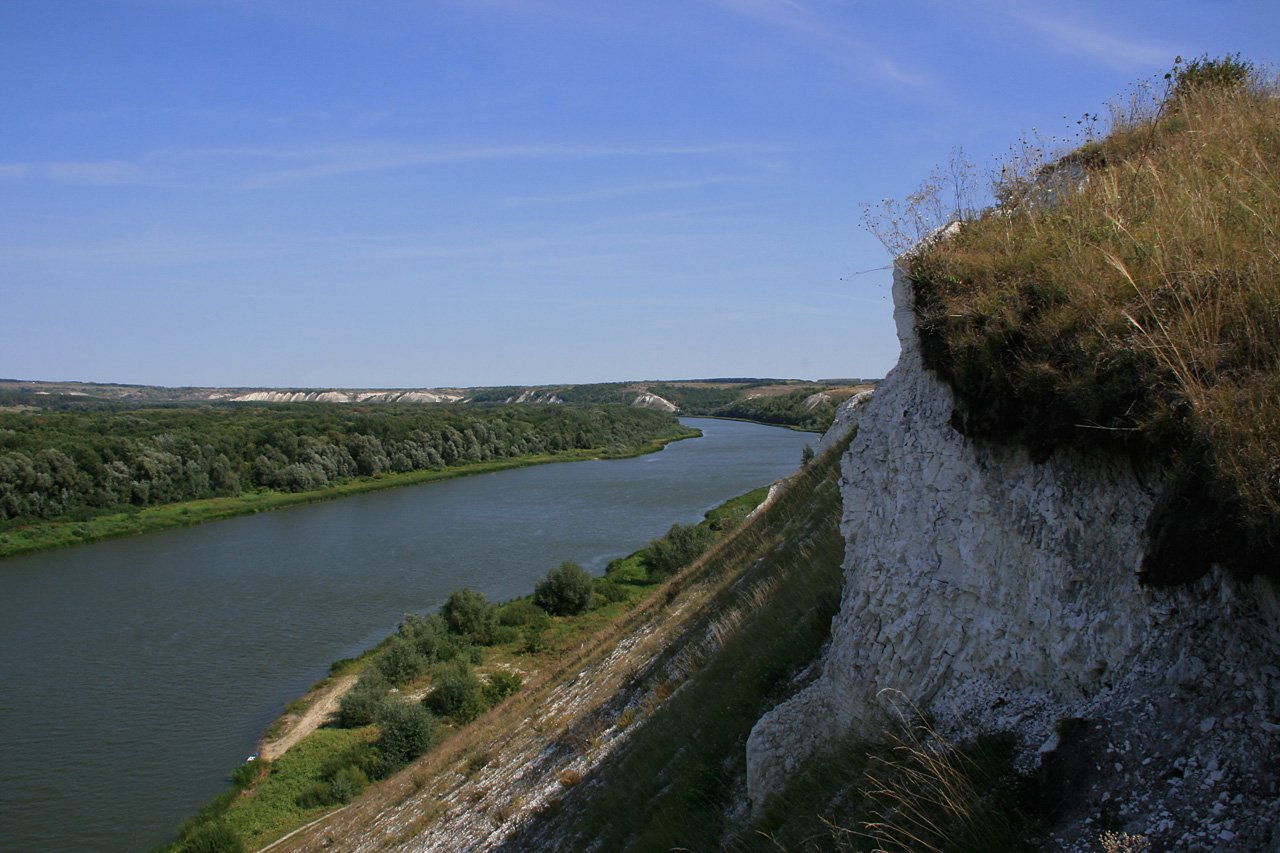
x=81 y=463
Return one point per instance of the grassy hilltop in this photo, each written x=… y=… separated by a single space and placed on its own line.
x=1128 y=293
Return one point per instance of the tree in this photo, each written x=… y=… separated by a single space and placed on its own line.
x=470 y=614
x=565 y=591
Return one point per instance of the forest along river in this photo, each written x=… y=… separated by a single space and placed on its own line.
x=136 y=674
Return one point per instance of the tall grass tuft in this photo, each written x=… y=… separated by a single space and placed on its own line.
x=928 y=795
x=1141 y=308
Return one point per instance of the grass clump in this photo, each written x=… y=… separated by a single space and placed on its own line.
x=1137 y=305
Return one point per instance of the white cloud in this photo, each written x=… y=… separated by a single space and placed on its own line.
x=14 y=171
x=1082 y=38
x=604 y=193
x=827 y=34
x=373 y=157
x=97 y=173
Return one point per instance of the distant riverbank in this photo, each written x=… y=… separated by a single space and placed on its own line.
x=47 y=535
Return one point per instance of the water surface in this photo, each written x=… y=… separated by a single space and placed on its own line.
x=135 y=674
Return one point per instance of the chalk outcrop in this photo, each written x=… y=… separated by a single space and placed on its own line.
x=998 y=594
x=653 y=401
x=348 y=396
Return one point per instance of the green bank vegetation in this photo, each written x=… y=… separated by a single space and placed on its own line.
x=676 y=784
x=1127 y=293
x=434 y=677
x=68 y=477
x=758 y=604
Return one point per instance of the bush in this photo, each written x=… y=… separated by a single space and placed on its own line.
x=501 y=685
x=347 y=783
x=315 y=796
x=214 y=837
x=457 y=694
x=520 y=612
x=469 y=614
x=535 y=639
x=1228 y=72
x=565 y=591
x=401 y=662
x=361 y=705
x=679 y=547
x=429 y=635
x=246 y=774
x=408 y=730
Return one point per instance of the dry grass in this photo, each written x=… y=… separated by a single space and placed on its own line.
x=1141 y=307
x=931 y=796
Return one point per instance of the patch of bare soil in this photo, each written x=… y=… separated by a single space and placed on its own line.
x=322 y=705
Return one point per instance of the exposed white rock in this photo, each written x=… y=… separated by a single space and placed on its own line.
x=348 y=396
x=539 y=397
x=999 y=594
x=845 y=421
x=813 y=401
x=653 y=401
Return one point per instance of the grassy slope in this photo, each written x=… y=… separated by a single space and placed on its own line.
x=268 y=809
x=47 y=535
x=672 y=782
x=1140 y=310
x=767 y=592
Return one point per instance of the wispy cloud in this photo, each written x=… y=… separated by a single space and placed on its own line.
x=607 y=193
x=825 y=33
x=374 y=157
x=14 y=171
x=262 y=167
x=86 y=173
x=95 y=173
x=1082 y=38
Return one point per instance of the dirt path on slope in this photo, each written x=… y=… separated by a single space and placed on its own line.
x=323 y=704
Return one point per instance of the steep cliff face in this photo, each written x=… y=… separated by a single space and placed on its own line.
x=997 y=594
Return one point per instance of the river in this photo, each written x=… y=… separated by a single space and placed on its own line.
x=136 y=674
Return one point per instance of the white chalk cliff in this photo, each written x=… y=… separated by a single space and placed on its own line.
x=998 y=594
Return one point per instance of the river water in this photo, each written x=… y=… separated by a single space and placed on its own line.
x=136 y=674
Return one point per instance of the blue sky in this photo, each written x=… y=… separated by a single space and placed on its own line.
x=483 y=192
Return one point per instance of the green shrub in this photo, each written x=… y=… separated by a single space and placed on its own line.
x=347 y=783
x=1229 y=72
x=457 y=693
x=679 y=547
x=408 y=730
x=429 y=635
x=501 y=685
x=244 y=775
x=362 y=703
x=315 y=796
x=535 y=639
x=565 y=591
x=469 y=614
x=522 y=611
x=505 y=635
x=401 y=662
x=214 y=837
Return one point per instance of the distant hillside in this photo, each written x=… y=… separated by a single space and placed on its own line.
x=794 y=403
